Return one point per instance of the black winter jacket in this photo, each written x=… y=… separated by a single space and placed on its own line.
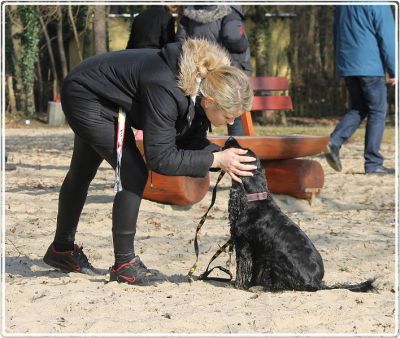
x=221 y=24
x=152 y=28
x=144 y=83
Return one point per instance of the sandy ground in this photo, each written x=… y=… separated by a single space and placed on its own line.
x=352 y=224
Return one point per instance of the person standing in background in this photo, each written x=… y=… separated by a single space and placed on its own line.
x=223 y=25
x=364 y=41
x=152 y=28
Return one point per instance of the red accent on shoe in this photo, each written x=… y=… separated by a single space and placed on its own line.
x=53 y=248
x=76 y=248
x=75 y=267
x=130 y=280
x=122 y=265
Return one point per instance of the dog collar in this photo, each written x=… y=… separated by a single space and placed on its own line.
x=257 y=196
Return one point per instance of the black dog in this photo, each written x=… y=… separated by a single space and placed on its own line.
x=271 y=250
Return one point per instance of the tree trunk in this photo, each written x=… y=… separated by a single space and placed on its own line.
x=12 y=105
x=40 y=91
x=56 y=89
x=76 y=36
x=99 y=29
x=16 y=29
x=260 y=52
x=60 y=41
x=315 y=90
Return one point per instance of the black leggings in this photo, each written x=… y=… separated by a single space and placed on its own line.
x=94 y=124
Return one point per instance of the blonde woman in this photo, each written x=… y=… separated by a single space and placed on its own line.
x=173 y=95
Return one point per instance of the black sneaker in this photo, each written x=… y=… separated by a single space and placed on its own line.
x=132 y=272
x=381 y=170
x=332 y=157
x=69 y=261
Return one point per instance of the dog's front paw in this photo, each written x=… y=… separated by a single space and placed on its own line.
x=241 y=284
x=256 y=289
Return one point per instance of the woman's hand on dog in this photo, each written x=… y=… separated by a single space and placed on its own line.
x=233 y=161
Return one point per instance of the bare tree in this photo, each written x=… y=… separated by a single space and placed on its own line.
x=56 y=89
x=99 y=29
x=60 y=41
x=11 y=102
x=16 y=29
x=74 y=29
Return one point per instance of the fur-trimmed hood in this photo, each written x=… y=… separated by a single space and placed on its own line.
x=206 y=14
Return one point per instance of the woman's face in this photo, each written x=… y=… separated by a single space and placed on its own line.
x=216 y=116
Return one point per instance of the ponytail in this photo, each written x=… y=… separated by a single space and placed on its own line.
x=205 y=69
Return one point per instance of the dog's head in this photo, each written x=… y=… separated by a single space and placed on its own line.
x=250 y=184
x=250 y=187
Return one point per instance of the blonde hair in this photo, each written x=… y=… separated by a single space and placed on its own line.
x=230 y=89
x=228 y=86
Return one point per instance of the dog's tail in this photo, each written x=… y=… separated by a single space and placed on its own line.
x=360 y=287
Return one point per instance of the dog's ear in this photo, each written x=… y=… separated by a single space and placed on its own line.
x=231 y=142
x=257 y=182
x=237 y=205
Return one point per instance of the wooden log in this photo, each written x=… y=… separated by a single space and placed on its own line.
x=176 y=190
x=299 y=178
x=279 y=147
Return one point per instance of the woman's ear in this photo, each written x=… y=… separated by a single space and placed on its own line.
x=208 y=102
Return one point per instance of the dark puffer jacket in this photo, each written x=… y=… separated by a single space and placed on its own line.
x=144 y=83
x=221 y=24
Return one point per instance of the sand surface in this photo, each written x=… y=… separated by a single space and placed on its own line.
x=352 y=223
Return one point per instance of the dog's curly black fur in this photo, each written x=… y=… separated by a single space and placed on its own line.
x=271 y=250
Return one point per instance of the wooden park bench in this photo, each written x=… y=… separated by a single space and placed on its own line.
x=287 y=173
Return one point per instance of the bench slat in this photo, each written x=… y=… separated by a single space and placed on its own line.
x=269 y=83
x=273 y=147
x=272 y=103
x=279 y=147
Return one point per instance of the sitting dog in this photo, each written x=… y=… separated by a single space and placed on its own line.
x=271 y=250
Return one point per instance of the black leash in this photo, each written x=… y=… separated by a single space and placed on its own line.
x=204 y=276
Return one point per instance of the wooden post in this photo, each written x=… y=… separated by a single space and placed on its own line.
x=248 y=126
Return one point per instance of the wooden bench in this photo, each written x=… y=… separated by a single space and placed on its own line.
x=285 y=172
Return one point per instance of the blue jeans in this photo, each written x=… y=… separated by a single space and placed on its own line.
x=368 y=97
